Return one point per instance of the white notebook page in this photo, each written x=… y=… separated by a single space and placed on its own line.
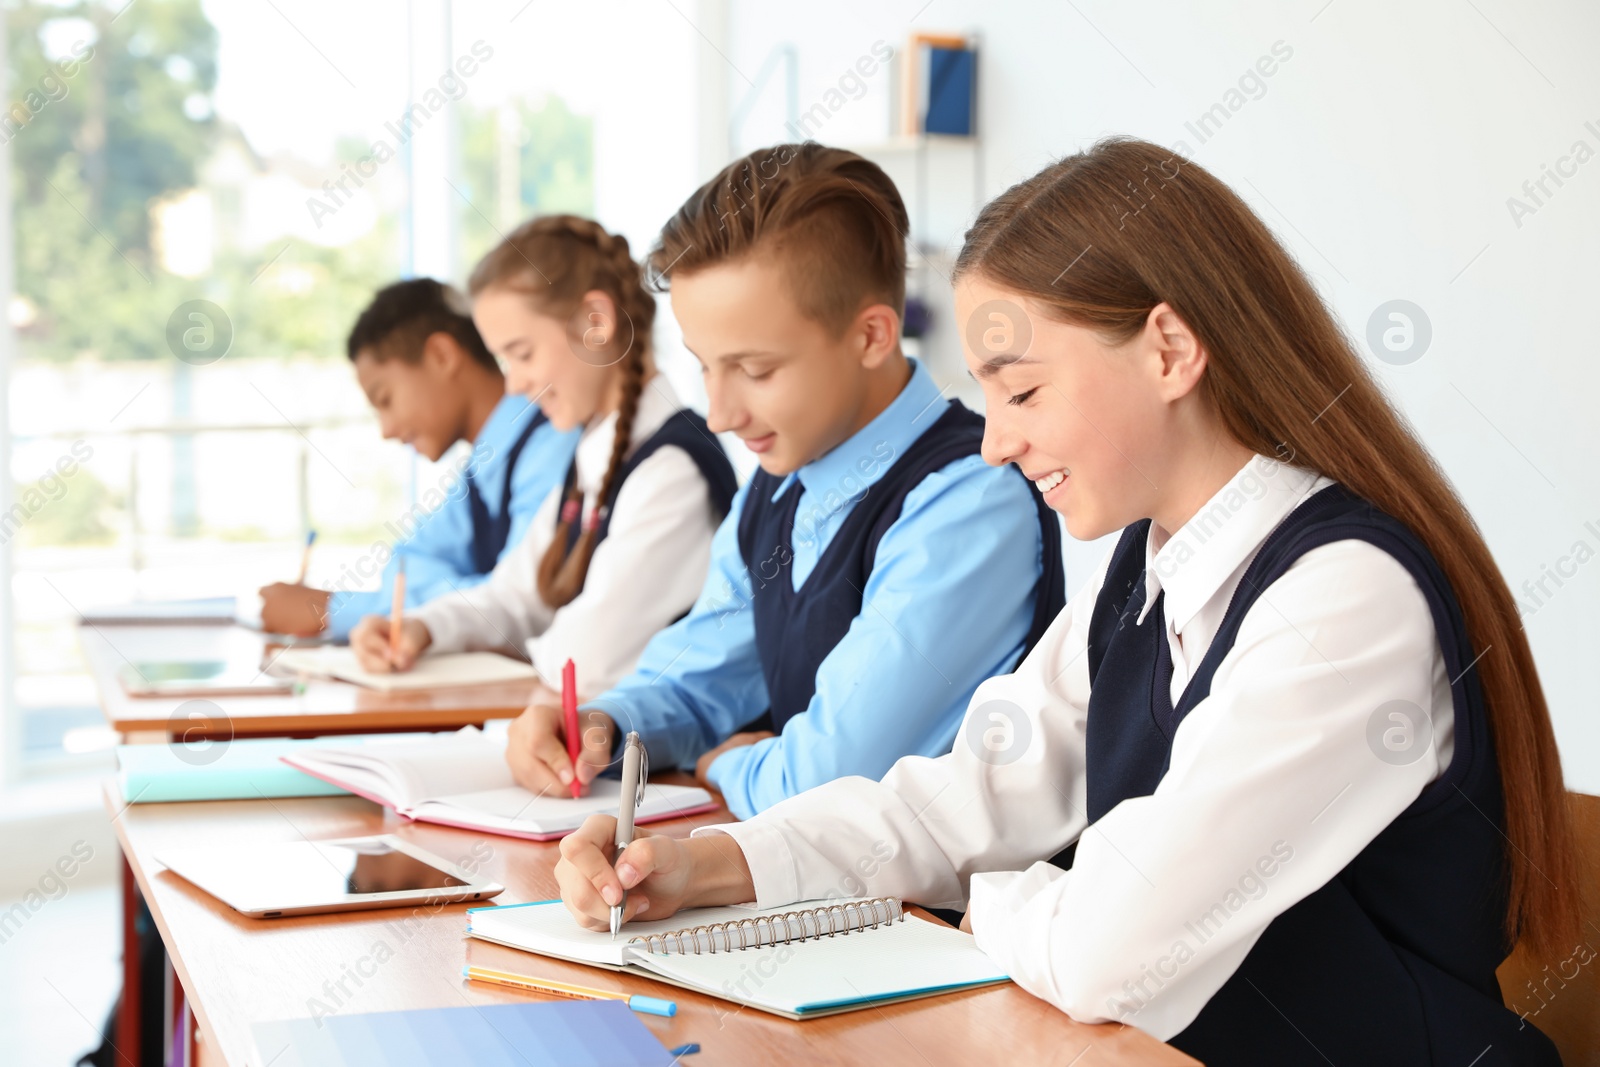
x=415 y=769
x=439 y=669
x=894 y=960
x=515 y=808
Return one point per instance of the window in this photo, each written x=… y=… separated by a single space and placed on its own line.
x=204 y=195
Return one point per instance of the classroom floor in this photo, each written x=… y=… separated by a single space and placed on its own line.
x=58 y=975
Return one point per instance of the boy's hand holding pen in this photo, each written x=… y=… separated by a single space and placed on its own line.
x=293 y=607
x=558 y=751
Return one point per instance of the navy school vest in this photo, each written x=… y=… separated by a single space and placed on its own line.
x=683 y=430
x=796 y=629
x=1392 y=961
x=489 y=532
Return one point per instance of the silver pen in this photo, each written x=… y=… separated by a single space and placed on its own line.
x=635 y=770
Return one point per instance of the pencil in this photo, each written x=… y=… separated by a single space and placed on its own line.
x=397 y=612
x=649 y=1005
x=305 y=557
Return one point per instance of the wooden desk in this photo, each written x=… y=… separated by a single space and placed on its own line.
x=325 y=706
x=236 y=971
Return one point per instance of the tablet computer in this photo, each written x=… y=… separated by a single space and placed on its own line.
x=269 y=881
x=198 y=678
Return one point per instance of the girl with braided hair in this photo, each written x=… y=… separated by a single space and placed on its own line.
x=620 y=549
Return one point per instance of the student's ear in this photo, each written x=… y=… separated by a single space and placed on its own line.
x=878 y=328
x=1179 y=359
x=595 y=322
x=442 y=354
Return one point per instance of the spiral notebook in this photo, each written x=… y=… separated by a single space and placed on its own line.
x=805 y=961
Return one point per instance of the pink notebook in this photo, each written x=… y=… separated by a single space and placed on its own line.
x=462 y=779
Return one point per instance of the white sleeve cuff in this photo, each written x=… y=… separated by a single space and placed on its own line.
x=772 y=866
x=444 y=631
x=995 y=899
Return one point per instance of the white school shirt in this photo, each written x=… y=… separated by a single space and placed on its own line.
x=1273 y=786
x=645 y=574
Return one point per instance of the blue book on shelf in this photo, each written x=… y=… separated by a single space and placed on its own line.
x=952 y=84
x=568 y=1033
x=225 y=770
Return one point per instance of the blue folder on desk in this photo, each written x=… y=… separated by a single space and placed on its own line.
x=225 y=770
x=570 y=1033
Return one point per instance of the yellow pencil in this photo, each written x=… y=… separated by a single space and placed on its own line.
x=305 y=557
x=550 y=987
x=397 y=611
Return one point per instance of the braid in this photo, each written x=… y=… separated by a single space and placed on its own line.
x=562 y=574
x=627 y=408
x=554 y=260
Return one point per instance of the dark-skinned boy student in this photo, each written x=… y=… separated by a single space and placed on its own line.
x=433 y=383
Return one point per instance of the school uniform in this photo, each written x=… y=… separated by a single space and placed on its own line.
x=1264 y=739
x=671 y=492
x=517 y=458
x=852 y=607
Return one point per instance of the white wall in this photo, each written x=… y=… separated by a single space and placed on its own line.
x=650 y=133
x=1383 y=152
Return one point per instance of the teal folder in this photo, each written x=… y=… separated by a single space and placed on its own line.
x=224 y=770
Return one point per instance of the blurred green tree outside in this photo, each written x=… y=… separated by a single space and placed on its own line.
x=109 y=115
x=554 y=151
x=135 y=126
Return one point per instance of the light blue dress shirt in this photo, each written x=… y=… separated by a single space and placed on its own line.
x=948 y=604
x=438 y=551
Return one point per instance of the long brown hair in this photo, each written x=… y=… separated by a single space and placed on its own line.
x=1101 y=237
x=554 y=260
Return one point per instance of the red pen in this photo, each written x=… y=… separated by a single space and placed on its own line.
x=569 y=711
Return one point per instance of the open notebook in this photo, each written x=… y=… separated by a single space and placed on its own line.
x=805 y=961
x=462 y=779
x=431 y=670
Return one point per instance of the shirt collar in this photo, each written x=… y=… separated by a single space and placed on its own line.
x=492 y=446
x=844 y=472
x=658 y=401
x=508 y=419
x=1194 y=563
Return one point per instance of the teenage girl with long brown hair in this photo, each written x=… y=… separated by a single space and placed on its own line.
x=621 y=548
x=1279 y=784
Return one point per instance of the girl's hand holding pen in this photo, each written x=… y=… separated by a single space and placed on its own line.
x=662 y=874
x=370 y=643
